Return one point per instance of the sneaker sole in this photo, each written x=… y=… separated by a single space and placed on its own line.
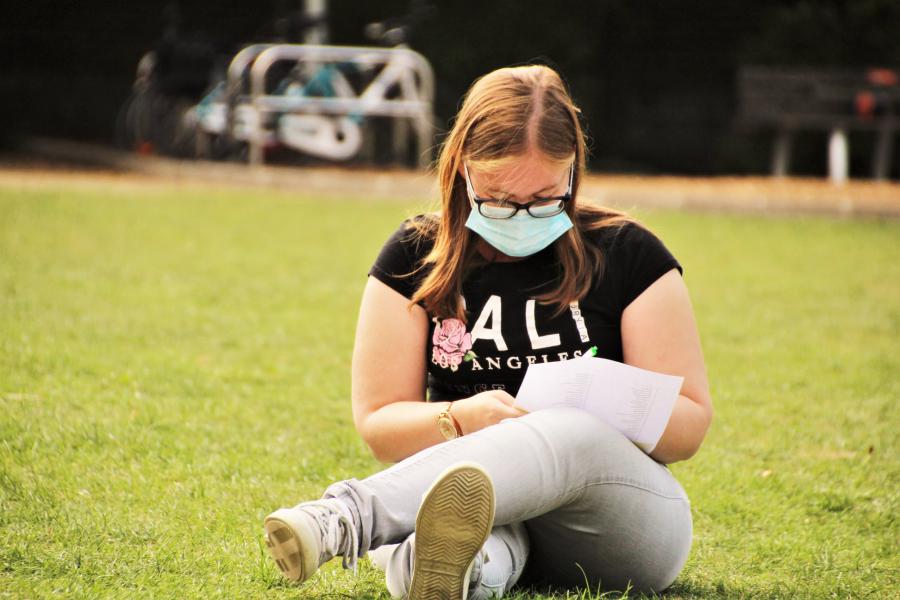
x=453 y=523
x=291 y=545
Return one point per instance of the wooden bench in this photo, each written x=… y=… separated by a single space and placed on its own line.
x=789 y=99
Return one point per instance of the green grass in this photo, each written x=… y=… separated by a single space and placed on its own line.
x=174 y=364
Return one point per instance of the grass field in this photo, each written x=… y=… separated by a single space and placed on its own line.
x=174 y=364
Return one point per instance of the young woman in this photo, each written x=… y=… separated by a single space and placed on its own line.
x=512 y=271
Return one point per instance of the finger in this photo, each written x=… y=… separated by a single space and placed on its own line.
x=515 y=411
x=505 y=397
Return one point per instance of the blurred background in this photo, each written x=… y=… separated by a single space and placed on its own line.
x=659 y=82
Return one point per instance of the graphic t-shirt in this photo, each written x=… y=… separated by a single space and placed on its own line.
x=506 y=329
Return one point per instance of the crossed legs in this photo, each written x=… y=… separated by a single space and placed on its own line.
x=575 y=500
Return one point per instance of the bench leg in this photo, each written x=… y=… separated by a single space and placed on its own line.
x=881 y=162
x=781 y=153
x=838 y=166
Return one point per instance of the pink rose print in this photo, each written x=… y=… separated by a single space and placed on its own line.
x=452 y=344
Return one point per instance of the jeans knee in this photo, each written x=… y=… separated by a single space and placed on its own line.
x=581 y=449
x=577 y=431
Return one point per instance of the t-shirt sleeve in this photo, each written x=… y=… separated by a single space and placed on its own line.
x=397 y=260
x=641 y=258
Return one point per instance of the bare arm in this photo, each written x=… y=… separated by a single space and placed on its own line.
x=659 y=333
x=388 y=380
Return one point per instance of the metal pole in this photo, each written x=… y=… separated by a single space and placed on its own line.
x=317 y=10
x=425 y=131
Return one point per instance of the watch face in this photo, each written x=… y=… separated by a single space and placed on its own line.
x=447 y=429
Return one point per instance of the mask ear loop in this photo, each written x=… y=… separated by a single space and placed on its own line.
x=469 y=189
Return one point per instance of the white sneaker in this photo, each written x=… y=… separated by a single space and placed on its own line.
x=303 y=538
x=380 y=557
x=454 y=522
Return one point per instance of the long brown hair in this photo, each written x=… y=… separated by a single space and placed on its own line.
x=506 y=114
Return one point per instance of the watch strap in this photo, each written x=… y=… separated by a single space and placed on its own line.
x=446 y=420
x=456 y=425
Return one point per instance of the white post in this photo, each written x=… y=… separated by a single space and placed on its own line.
x=837 y=156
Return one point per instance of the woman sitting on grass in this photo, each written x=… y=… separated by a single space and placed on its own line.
x=513 y=270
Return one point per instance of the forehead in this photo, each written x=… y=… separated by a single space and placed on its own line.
x=523 y=177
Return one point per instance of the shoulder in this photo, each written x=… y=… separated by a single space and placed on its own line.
x=621 y=236
x=399 y=261
x=415 y=235
x=633 y=257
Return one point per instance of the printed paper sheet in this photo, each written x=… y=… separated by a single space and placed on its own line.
x=634 y=401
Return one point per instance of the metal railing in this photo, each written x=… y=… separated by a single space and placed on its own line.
x=397 y=70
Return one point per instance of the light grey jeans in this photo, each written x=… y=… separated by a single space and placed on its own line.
x=575 y=500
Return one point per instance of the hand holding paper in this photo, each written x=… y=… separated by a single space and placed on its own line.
x=636 y=402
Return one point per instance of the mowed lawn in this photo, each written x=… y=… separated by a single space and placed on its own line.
x=175 y=364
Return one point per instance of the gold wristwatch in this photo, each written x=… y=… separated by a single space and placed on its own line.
x=448 y=425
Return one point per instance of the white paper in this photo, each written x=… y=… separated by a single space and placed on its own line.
x=636 y=402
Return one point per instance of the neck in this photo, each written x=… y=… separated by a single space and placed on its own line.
x=493 y=255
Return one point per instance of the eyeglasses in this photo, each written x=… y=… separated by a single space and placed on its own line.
x=540 y=208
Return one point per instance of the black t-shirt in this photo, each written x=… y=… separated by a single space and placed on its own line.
x=506 y=329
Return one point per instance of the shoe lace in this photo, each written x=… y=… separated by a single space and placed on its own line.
x=339 y=536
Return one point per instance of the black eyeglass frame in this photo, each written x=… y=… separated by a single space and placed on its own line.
x=567 y=197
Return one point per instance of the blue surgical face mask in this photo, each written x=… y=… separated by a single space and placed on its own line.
x=520 y=235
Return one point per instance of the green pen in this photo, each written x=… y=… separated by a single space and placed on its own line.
x=592 y=351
